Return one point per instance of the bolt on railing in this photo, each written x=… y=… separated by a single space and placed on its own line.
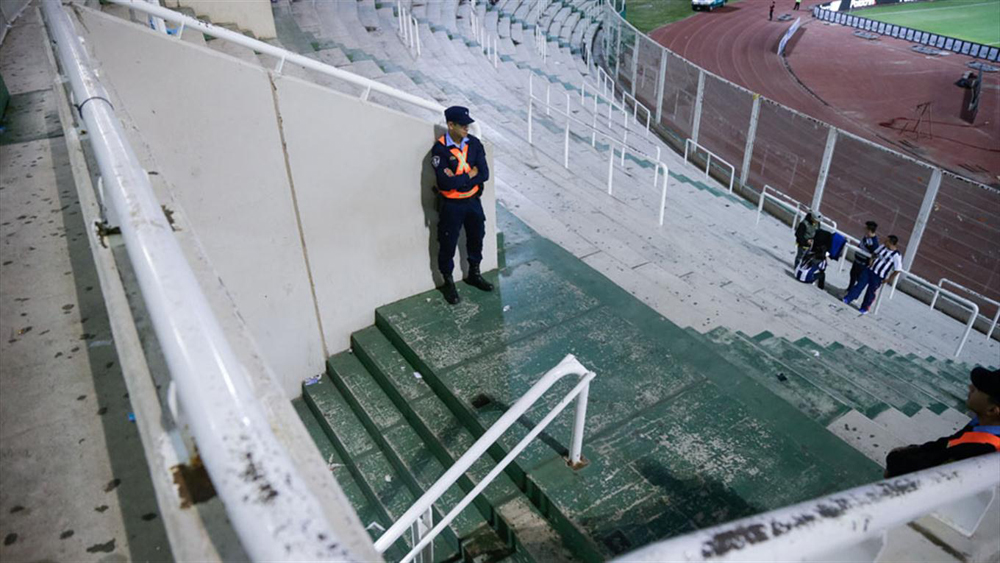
x=421 y=508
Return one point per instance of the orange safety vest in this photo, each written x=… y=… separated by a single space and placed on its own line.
x=976 y=438
x=463 y=168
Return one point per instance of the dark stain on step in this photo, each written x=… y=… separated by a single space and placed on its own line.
x=106 y=547
x=112 y=485
x=66 y=535
x=9 y=539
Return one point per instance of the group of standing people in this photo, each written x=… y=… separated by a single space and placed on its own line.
x=874 y=263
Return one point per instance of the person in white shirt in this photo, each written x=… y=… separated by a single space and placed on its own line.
x=885 y=264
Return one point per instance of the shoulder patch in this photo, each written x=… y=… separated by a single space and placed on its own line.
x=436 y=161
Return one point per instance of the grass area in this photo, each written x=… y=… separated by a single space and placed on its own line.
x=971 y=20
x=647 y=15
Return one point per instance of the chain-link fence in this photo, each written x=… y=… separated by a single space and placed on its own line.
x=787 y=149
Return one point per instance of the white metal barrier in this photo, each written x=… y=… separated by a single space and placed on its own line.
x=409 y=29
x=789 y=202
x=708 y=161
x=623 y=143
x=287 y=56
x=996 y=316
x=421 y=509
x=271 y=508
x=608 y=88
x=846 y=526
x=938 y=290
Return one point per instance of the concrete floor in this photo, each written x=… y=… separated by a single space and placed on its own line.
x=74 y=484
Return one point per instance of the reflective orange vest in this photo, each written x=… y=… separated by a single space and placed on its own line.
x=976 y=438
x=463 y=168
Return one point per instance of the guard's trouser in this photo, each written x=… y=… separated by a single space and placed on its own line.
x=453 y=214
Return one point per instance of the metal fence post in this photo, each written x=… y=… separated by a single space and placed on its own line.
x=824 y=168
x=635 y=64
x=751 y=136
x=921 y=223
x=618 y=51
x=697 y=105
x=661 y=82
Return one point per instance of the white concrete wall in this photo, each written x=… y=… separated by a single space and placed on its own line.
x=359 y=174
x=225 y=163
x=363 y=180
x=254 y=16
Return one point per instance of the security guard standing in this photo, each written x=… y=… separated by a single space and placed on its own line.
x=459 y=162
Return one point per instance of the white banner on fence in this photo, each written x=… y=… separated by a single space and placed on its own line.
x=788 y=35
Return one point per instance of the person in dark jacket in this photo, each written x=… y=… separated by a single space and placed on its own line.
x=459 y=162
x=981 y=436
x=863 y=256
x=804 y=234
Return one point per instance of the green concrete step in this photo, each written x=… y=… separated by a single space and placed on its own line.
x=502 y=502
x=675 y=441
x=859 y=367
x=943 y=368
x=371 y=470
x=944 y=390
x=809 y=397
x=366 y=510
x=412 y=460
x=863 y=398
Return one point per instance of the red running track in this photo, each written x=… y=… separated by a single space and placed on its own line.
x=869 y=88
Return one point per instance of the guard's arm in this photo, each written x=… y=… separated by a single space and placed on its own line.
x=481 y=166
x=447 y=180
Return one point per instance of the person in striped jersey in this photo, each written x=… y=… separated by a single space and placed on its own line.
x=812 y=268
x=885 y=265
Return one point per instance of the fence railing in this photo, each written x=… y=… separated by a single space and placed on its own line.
x=284 y=56
x=970 y=48
x=421 y=509
x=846 y=526
x=658 y=165
x=608 y=88
x=211 y=385
x=708 y=160
x=837 y=173
x=789 y=202
x=409 y=29
x=996 y=315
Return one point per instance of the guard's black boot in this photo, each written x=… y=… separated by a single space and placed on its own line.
x=450 y=291
x=476 y=279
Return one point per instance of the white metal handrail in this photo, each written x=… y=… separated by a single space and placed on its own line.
x=488 y=42
x=958 y=299
x=605 y=81
x=708 y=161
x=939 y=289
x=265 y=497
x=287 y=56
x=784 y=200
x=409 y=29
x=846 y=526
x=623 y=143
x=421 y=508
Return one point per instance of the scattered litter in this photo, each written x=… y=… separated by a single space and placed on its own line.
x=782 y=378
x=417 y=375
x=428 y=299
x=312 y=380
x=388 y=478
x=866 y=35
x=131 y=417
x=98 y=343
x=376 y=526
x=816 y=353
x=785 y=17
x=506 y=308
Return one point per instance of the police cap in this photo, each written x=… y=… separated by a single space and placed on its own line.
x=458 y=114
x=987 y=381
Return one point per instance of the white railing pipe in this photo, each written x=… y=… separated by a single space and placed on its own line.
x=568 y=366
x=266 y=499
x=996 y=316
x=818 y=529
x=277 y=52
x=708 y=160
x=663 y=194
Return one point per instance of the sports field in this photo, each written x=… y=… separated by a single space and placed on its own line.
x=971 y=20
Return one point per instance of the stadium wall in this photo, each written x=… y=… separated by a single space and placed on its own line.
x=830 y=12
x=864 y=180
x=307 y=228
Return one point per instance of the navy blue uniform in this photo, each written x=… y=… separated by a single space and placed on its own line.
x=868 y=245
x=459 y=197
